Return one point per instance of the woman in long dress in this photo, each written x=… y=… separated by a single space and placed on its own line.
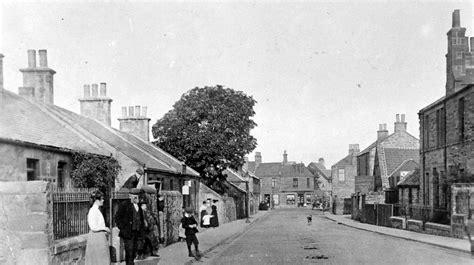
x=214 y=219
x=97 y=248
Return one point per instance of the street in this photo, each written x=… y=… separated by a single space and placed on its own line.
x=284 y=237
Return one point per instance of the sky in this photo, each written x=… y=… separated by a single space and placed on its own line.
x=324 y=74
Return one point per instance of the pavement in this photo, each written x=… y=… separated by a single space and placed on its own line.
x=440 y=241
x=209 y=239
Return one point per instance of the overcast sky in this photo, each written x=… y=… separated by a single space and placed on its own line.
x=324 y=75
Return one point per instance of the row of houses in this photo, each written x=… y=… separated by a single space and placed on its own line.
x=399 y=168
x=38 y=142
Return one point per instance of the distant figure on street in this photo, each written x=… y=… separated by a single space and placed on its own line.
x=97 y=248
x=190 y=229
x=310 y=219
x=203 y=212
x=129 y=220
x=214 y=218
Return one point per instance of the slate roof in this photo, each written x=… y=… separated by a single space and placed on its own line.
x=251 y=166
x=54 y=126
x=268 y=169
x=345 y=161
x=28 y=121
x=395 y=157
x=316 y=168
x=412 y=179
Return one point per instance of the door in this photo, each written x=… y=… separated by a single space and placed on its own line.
x=300 y=200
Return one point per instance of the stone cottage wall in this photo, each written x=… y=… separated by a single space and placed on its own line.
x=24 y=223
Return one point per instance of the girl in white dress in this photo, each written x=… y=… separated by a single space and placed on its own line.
x=97 y=249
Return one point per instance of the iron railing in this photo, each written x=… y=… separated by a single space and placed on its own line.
x=70 y=210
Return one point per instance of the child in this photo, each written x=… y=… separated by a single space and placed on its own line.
x=310 y=219
x=190 y=229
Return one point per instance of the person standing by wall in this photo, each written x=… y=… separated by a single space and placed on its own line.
x=214 y=218
x=128 y=220
x=97 y=248
x=161 y=217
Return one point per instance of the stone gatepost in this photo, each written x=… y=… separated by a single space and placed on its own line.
x=24 y=223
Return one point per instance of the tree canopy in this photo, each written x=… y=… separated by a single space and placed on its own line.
x=208 y=129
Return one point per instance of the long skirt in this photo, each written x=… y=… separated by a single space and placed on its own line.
x=97 y=249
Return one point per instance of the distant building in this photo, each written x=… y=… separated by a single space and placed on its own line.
x=409 y=188
x=323 y=191
x=380 y=159
x=343 y=180
x=447 y=125
x=285 y=184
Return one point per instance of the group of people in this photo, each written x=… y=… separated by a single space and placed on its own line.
x=209 y=216
x=139 y=228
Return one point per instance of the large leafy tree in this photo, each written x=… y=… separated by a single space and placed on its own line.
x=208 y=129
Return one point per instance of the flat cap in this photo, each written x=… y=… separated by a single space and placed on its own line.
x=135 y=191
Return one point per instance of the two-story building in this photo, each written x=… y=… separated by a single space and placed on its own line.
x=284 y=184
x=343 y=181
x=383 y=157
x=447 y=125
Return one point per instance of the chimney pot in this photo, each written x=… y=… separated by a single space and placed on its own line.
x=144 y=109
x=124 y=112
x=403 y=117
x=103 y=89
x=31 y=58
x=130 y=111
x=397 y=117
x=137 y=111
x=94 y=90
x=456 y=19
x=43 y=58
x=87 y=91
x=472 y=44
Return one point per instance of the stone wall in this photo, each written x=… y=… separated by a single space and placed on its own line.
x=364 y=184
x=25 y=228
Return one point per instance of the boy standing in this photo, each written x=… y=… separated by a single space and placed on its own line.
x=190 y=229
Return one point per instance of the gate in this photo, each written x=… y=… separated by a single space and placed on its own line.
x=384 y=211
x=347 y=206
x=369 y=214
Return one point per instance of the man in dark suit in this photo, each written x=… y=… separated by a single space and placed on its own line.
x=129 y=220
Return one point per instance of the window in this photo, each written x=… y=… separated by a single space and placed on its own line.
x=341 y=174
x=307 y=183
x=290 y=199
x=461 y=119
x=426 y=130
x=295 y=183
x=440 y=127
x=273 y=182
x=32 y=169
x=315 y=183
x=171 y=184
x=459 y=55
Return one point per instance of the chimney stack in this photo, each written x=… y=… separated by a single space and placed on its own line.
x=135 y=122
x=38 y=82
x=285 y=158
x=456 y=19
x=321 y=162
x=400 y=125
x=382 y=132
x=258 y=159
x=95 y=106
x=31 y=58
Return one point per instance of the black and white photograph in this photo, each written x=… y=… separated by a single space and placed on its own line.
x=236 y=132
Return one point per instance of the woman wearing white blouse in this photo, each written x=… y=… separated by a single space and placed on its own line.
x=97 y=249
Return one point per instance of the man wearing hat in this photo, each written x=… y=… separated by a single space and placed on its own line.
x=129 y=220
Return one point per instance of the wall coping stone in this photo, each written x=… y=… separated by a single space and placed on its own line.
x=22 y=187
x=68 y=244
x=438 y=226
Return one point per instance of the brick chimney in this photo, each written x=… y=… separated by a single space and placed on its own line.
x=400 y=125
x=382 y=132
x=95 y=105
x=285 y=158
x=38 y=82
x=135 y=122
x=459 y=59
x=353 y=149
x=258 y=159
